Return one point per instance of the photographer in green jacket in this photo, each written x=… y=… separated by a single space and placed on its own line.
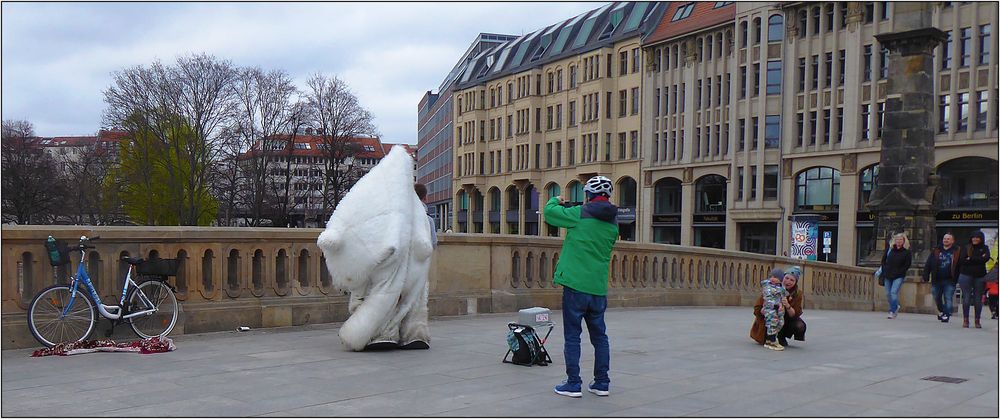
x=591 y=232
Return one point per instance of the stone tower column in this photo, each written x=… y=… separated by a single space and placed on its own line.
x=903 y=196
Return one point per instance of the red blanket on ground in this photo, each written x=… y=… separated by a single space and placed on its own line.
x=144 y=346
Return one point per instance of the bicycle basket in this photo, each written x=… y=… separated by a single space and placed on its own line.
x=158 y=267
x=58 y=252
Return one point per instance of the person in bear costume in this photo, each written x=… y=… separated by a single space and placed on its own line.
x=378 y=246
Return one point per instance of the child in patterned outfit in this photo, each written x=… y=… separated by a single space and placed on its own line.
x=773 y=311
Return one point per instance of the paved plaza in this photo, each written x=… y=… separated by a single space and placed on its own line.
x=665 y=362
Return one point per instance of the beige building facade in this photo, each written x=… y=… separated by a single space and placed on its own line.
x=796 y=126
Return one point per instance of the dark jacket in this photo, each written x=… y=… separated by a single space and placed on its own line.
x=758 y=329
x=974 y=263
x=932 y=267
x=896 y=263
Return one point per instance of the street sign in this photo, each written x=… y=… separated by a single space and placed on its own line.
x=826 y=250
x=827 y=239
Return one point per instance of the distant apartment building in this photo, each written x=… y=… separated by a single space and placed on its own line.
x=67 y=150
x=435 y=133
x=757 y=111
x=304 y=165
x=536 y=116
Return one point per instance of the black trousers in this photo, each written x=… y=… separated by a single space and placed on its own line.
x=793 y=328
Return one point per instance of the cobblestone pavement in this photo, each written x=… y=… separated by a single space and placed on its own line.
x=677 y=361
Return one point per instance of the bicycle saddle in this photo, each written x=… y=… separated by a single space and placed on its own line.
x=133 y=261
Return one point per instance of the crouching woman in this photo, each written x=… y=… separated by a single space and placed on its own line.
x=794 y=326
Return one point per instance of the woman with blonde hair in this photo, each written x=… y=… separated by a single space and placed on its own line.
x=895 y=262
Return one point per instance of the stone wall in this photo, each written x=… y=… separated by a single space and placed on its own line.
x=266 y=277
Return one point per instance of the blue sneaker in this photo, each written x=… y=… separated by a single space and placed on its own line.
x=600 y=389
x=568 y=389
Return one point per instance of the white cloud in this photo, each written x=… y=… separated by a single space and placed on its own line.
x=57 y=57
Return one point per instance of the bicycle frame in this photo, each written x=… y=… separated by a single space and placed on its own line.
x=106 y=310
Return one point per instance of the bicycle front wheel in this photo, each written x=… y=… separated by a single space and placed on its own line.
x=158 y=296
x=48 y=323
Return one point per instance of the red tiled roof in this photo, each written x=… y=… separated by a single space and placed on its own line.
x=386 y=147
x=704 y=15
x=371 y=146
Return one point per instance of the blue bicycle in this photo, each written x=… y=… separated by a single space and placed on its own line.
x=63 y=313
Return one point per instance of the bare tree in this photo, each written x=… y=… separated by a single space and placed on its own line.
x=267 y=113
x=29 y=194
x=339 y=118
x=184 y=106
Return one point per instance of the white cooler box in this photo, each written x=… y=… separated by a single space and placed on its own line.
x=535 y=317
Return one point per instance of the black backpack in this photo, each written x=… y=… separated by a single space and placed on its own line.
x=524 y=346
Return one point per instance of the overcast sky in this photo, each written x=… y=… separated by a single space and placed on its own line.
x=58 y=57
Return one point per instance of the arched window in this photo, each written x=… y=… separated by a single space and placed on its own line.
x=743 y=34
x=667 y=196
x=803 y=22
x=815 y=26
x=494 y=199
x=757 y=33
x=513 y=198
x=817 y=189
x=775 y=28
x=710 y=191
x=866 y=184
x=576 y=192
x=626 y=192
x=463 y=200
x=553 y=190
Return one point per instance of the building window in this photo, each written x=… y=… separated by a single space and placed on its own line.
x=984 y=44
x=743 y=82
x=634 y=146
x=558 y=116
x=944 y=111
x=840 y=125
x=946 y=52
x=743 y=134
x=711 y=194
x=881 y=118
x=817 y=189
x=739 y=184
x=757 y=32
x=770 y=182
x=772 y=131
x=803 y=22
x=756 y=79
x=815 y=71
x=572 y=152
x=775 y=28
x=697 y=95
x=865 y=116
x=869 y=11
x=843 y=14
x=866 y=184
x=965 y=47
x=743 y=35
x=623 y=63
x=754 y=135
x=572 y=114
x=683 y=12
x=981 y=106
x=548 y=118
x=622 y=103
x=621 y=146
x=799 y=122
x=826 y=126
x=815 y=20
x=884 y=63
x=812 y=128
x=963 y=112
x=635 y=60
x=774 y=77
x=635 y=101
x=828 y=69
x=753 y=183
x=829 y=17
x=842 y=59
x=868 y=63
x=884 y=10
x=802 y=74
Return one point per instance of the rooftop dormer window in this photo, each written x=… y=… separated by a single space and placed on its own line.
x=683 y=12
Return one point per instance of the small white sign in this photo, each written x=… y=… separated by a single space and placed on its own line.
x=826 y=250
x=827 y=241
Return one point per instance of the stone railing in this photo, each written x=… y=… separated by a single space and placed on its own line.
x=231 y=277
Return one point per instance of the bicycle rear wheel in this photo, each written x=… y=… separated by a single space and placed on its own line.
x=46 y=320
x=162 y=298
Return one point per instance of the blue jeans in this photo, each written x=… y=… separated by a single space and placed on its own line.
x=578 y=306
x=943 y=293
x=892 y=293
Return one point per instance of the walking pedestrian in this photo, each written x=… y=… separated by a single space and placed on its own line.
x=972 y=277
x=941 y=268
x=591 y=231
x=895 y=263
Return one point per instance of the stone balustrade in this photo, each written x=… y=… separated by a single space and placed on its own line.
x=268 y=277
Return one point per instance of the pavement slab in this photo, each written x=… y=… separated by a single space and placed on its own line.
x=672 y=361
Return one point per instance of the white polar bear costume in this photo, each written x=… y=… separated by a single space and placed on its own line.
x=378 y=247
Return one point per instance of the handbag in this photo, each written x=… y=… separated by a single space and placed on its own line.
x=878 y=273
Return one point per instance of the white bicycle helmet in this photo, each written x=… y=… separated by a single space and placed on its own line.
x=598 y=185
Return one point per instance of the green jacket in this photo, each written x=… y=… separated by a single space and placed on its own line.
x=591 y=232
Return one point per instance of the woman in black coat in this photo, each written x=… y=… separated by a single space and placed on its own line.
x=895 y=262
x=971 y=278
